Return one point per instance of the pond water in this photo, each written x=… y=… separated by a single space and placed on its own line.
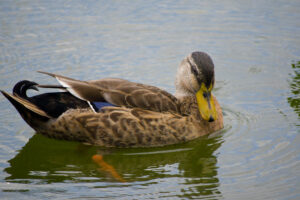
x=256 y=50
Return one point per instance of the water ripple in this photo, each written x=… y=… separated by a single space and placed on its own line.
x=250 y=157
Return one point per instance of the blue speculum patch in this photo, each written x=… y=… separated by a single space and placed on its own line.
x=99 y=105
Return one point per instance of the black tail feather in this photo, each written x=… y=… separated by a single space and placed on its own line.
x=21 y=88
x=52 y=86
x=29 y=112
x=38 y=109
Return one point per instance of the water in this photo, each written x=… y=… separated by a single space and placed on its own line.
x=255 y=48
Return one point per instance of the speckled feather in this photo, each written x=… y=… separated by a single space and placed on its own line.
x=131 y=127
x=120 y=92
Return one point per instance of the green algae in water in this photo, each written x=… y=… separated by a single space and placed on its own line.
x=294 y=100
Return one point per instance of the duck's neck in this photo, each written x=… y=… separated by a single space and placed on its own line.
x=187 y=104
x=182 y=93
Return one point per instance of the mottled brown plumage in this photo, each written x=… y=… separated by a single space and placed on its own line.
x=142 y=115
x=130 y=127
x=120 y=92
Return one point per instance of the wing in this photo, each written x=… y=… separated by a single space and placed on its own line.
x=129 y=94
x=120 y=93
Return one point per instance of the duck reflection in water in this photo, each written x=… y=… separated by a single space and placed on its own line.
x=44 y=160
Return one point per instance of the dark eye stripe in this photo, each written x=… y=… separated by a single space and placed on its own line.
x=193 y=69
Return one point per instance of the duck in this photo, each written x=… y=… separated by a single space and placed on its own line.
x=113 y=112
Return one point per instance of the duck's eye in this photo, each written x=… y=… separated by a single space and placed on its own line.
x=194 y=71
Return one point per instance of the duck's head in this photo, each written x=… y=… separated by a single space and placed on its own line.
x=195 y=76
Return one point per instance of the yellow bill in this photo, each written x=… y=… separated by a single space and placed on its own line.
x=206 y=103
